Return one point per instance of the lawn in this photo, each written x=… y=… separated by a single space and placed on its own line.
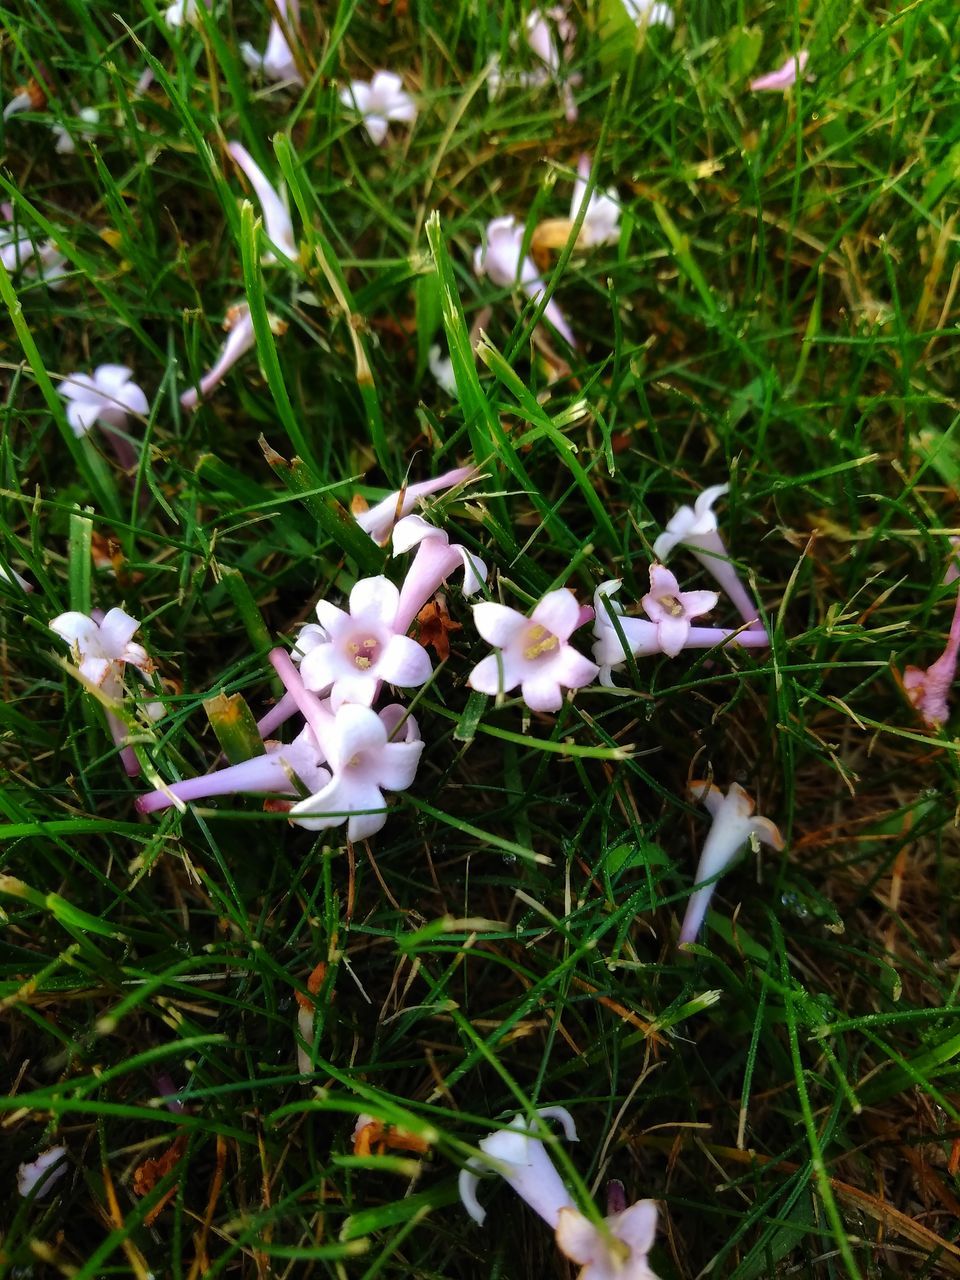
x=201 y=994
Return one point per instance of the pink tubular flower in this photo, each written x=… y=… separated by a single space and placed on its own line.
x=378 y=522
x=643 y=638
x=671 y=609
x=101 y=647
x=379 y=102
x=784 y=77
x=240 y=339
x=361 y=648
x=502 y=260
x=368 y=753
x=551 y=35
x=734 y=823
x=277 y=771
x=277 y=62
x=106 y=396
x=533 y=652
x=928 y=689
x=436 y=559
x=696 y=529
x=276 y=219
x=617 y=1251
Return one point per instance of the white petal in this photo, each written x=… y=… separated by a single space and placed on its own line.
x=559 y=612
x=79 y=631
x=497 y=623
x=48 y=1168
x=541 y=693
x=411 y=530
x=376 y=127
x=404 y=663
x=360 y=687
x=357 y=729
x=572 y=669
x=486 y=677
x=116 y=631
x=321 y=666
x=397 y=765
x=467 y=1185
x=374 y=598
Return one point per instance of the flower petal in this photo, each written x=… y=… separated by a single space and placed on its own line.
x=356 y=729
x=321 y=666
x=397 y=765
x=559 y=612
x=486 y=677
x=374 y=598
x=78 y=630
x=578 y=1239
x=673 y=633
x=404 y=663
x=541 y=693
x=358 y=686
x=497 y=623
x=116 y=631
x=572 y=669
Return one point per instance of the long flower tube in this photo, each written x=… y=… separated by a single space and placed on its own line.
x=240 y=339
x=380 y=519
x=696 y=529
x=272 y=772
x=436 y=559
x=734 y=823
x=277 y=61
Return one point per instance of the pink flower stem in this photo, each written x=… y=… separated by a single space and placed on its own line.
x=432 y=565
x=260 y=773
x=277 y=715
x=128 y=757
x=308 y=703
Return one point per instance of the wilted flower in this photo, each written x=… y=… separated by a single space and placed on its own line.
x=672 y=609
x=928 y=689
x=380 y=101
x=734 y=823
x=532 y=652
x=277 y=62
x=696 y=529
x=360 y=649
x=502 y=259
x=617 y=1251
x=276 y=219
x=66 y=138
x=101 y=646
x=649 y=13
x=306 y=1015
x=368 y=753
x=40 y=1175
x=240 y=339
x=784 y=77
x=379 y=520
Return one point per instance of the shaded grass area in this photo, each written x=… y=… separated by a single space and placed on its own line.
x=779 y=310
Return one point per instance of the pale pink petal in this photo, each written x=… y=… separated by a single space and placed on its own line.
x=404 y=663
x=321 y=667
x=498 y=624
x=374 y=598
x=116 y=631
x=330 y=617
x=95 y=669
x=78 y=630
x=486 y=677
x=357 y=729
x=697 y=603
x=558 y=612
x=572 y=669
x=411 y=530
x=577 y=1238
x=542 y=693
x=359 y=686
x=377 y=128
x=636 y=1226
x=663 y=582
x=397 y=765
x=673 y=633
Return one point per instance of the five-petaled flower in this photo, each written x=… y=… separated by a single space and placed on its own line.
x=502 y=259
x=532 y=651
x=734 y=823
x=354 y=651
x=105 y=396
x=617 y=1250
x=672 y=609
x=101 y=646
x=696 y=528
x=380 y=101
x=368 y=752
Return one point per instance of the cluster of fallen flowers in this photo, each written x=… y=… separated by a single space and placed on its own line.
x=357 y=743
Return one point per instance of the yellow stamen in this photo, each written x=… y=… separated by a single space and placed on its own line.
x=539 y=641
x=672 y=605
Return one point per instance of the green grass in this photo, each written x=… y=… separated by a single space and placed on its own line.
x=779 y=311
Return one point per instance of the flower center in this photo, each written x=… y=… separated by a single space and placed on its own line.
x=364 y=651
x=538 y=641
x=671 y=605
